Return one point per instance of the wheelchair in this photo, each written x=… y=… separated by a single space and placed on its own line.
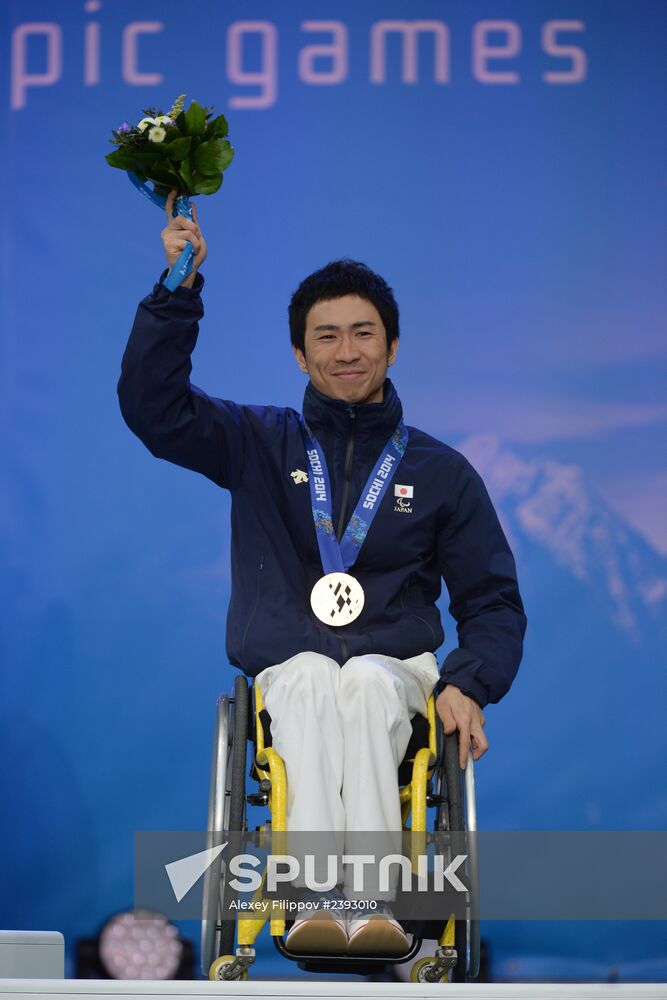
x=429 y=778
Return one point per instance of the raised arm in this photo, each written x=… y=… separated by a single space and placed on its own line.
x=176 y=420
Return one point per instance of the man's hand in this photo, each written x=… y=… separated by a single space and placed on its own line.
x=458 y=711
x=180 y=231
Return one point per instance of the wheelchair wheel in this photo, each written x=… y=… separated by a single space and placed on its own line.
x=236 y=794
x=219 y=967
x=455 y=815
x=419 y=971
x=453 y=778
x=226 y=812
x=239 y=754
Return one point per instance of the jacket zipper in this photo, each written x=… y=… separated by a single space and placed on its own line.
x=347 y=474
x=347 y=477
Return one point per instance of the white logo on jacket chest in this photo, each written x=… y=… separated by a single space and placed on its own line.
x=403 y=506
x=299 y=476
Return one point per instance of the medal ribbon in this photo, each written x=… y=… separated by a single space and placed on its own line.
x=182 y=206
x=338 y=557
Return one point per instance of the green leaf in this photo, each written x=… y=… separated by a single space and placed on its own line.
x=213 y=156
x=153 y=151
x=162 y=175
x=149 y=164
x=185 y=171
x=179 y=148
x=195 y=119
x=122 y=158
x=218 y=128
x=208 y=185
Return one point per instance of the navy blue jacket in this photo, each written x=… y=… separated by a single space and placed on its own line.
x=449 y=529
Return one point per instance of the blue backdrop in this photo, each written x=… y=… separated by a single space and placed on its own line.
x=500 y=165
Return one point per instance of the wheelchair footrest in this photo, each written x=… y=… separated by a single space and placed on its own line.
x=361 y=965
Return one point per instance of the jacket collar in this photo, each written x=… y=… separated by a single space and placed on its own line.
x=322 y=413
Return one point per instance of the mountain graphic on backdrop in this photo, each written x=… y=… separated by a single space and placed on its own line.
x=548 y=505
x=583 y=721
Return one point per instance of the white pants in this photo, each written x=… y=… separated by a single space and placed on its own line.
x=342 y=732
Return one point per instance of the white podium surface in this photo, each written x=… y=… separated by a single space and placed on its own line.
x=89 y=989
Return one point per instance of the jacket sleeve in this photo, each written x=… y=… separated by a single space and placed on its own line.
x=174 y=419
x=479 y=570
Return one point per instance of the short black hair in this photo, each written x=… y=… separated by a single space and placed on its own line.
x=339 y=278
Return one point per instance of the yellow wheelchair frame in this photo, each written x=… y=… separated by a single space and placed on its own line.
x=457 y=952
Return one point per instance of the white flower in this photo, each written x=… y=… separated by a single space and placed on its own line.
x=156 y=134
x=144 y=123
x=163 y=120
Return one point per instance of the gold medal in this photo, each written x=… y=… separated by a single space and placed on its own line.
x=337 y=599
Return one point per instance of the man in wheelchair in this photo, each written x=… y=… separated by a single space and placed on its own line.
x=345 y=521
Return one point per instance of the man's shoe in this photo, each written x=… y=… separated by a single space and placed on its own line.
x=322 y=932
x=379 y=934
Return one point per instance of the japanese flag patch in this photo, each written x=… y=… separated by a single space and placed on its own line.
x=404 y=491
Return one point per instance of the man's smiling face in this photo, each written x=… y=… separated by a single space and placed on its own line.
x=346 y=353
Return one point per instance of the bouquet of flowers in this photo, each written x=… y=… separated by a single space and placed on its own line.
x=185 y=150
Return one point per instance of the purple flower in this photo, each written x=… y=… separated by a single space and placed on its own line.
x=124 y=127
